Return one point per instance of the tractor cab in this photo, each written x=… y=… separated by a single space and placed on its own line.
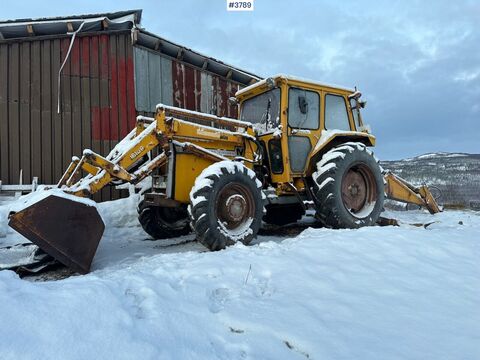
x=297 y=120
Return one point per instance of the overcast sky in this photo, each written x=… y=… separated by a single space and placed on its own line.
x=416 y=62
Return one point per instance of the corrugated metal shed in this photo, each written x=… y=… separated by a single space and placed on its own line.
x=112 y=72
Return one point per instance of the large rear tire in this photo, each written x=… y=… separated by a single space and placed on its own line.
x=349 y=187
x=226 y=205
x=162 y=222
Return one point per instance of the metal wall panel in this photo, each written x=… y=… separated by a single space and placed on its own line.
x=179 y=84
x=97 y=103
x=153 y=80
x=105 y=83
x=206 y=100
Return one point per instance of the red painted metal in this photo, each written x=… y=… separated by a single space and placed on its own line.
x=97 y=96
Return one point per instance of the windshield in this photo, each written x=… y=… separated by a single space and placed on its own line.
x=262 y=110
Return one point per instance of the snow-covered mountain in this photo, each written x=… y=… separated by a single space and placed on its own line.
x=457 y=175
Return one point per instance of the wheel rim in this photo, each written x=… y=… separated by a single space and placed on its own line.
x=234 y=205
x=359 y=190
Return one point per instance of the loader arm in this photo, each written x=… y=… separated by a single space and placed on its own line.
x=399 y=189
x=75 y=241
x=148 y=135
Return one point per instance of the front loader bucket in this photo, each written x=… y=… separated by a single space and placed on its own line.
x=66 y=229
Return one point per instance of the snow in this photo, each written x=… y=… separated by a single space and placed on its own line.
x=239 y=233
x=42 y=193
x=325 y=182
x=216 y=131
x=374 y=293
x=329 y=156
x=437 y=155
x=326 y=135
x=211 y=152
x=244 y=124
x=324 y=168
x=215 y=170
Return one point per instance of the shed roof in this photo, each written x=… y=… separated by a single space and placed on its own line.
x=20 y=29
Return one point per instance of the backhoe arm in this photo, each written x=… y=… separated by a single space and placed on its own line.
x=399 y=189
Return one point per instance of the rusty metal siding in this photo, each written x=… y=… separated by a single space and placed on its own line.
x=97 y=103
x=160 y=79
x=105 y=83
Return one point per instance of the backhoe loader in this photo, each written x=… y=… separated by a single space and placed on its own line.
x=297 y=143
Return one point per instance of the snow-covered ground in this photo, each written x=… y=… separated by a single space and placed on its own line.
x=376 y=293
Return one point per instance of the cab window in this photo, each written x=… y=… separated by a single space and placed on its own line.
x=355 y=110
x=303 y=109
x=263 y=108
x=336 y=117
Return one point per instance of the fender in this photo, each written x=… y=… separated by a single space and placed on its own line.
x=331 y=138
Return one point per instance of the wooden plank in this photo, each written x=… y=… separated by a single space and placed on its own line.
x=122 y=87
x=14 y=112
x=4 y=140
x=114 y=119
x=25 y=129
x=86 y=88
x=96 y=126
x=189 y=87
x=167 y=87
x=105 y=103
x=131 y=111
x=66 y=108
x=178 y=79
x=232 y=110
x=104 y=94
x=76 y=96
x=142 y=93
x=57 y=123
x=198 y=89
x=46 y=111
x=206 y=93
x=154 y=81
x=36 y=121
x=222 y=97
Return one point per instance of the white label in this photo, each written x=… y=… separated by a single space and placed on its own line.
x=226 y=153
x=136 y=152
x=213 y=134
x=246 y=5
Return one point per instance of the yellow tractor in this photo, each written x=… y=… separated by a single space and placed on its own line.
x=297 y=144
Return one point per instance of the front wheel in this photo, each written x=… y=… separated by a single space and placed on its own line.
x=349 y=187
x=163 y=223
x=226 y=205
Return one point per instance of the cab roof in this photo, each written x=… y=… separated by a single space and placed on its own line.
x=292 y=79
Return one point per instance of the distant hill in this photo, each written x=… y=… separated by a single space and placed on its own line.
x=457 y=175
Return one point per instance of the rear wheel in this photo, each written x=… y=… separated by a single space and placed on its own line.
x=226 y=205
x=163 y=222
x=349 y=187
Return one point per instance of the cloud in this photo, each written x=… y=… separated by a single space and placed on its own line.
x=416 y=62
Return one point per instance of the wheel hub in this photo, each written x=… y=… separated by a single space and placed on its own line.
x=358 y=188
x=236 y=207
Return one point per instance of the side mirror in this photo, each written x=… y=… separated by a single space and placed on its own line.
x=303 y=104
x=233 y=101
